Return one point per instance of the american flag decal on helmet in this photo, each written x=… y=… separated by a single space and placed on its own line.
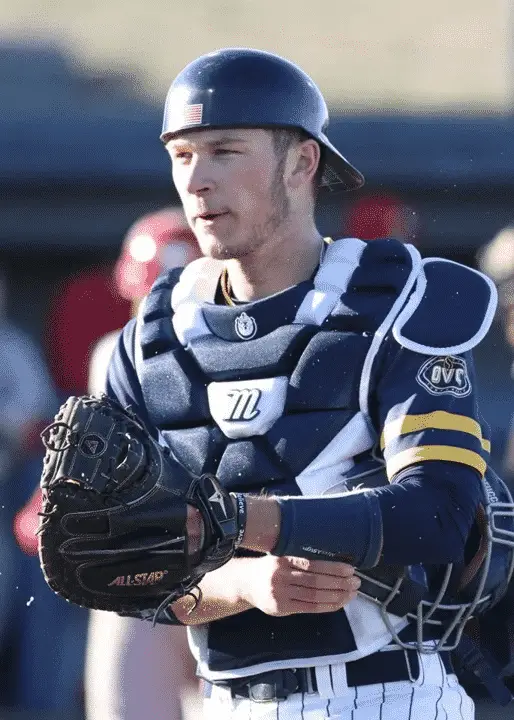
x=192 y=114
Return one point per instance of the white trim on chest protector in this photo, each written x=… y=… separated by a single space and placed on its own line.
x=199 y=281
x=416 y=300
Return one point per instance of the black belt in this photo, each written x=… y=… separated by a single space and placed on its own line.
x=393 y=666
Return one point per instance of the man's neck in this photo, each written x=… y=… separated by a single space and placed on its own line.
x=277 y=269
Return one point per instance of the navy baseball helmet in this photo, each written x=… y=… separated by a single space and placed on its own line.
x=240 y=87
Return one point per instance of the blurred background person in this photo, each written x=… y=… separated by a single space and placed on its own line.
x=381 y=215
x=83 y=308
x=497 y=260
x=133 y=670
x=48 y=663
x=28 y=401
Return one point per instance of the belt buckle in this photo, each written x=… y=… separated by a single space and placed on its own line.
x=271 y=686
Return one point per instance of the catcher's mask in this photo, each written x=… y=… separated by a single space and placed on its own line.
x=453 y=594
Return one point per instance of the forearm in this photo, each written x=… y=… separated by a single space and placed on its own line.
x=221 y=595
x=338 y=528
x=426 y=517
x=263 y=523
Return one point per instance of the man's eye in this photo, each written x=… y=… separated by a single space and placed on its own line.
x=225 y=151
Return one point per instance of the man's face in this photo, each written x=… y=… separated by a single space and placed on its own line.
x=231 y=188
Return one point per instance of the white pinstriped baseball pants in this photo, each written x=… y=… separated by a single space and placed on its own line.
x=435 y=695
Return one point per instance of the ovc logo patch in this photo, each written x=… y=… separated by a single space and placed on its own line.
x=445 y=376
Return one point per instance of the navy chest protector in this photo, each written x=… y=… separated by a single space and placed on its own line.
x=275 y=396
x=258 y=410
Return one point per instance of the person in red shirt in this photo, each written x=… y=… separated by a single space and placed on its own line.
x=382 y=215
x=83 y=309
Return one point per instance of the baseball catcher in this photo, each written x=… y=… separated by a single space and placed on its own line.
x=296 y=369
x=115 y=507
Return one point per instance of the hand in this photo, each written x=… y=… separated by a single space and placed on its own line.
x=104 y=474
x=288 y=585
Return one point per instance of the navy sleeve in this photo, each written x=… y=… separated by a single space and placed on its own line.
x=435 y=448
x=426 y=410
x=122 y=381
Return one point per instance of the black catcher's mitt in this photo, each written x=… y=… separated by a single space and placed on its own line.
x=113 y=534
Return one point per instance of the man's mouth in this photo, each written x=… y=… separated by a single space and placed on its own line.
x=210 y=216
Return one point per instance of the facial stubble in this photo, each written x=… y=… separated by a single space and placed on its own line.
x=261 y=233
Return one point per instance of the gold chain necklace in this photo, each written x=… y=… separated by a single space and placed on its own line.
x=226 y=287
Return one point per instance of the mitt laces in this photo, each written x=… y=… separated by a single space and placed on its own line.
x=72 y=440
x=182 y=591
x=46 y=515
x=49 y=443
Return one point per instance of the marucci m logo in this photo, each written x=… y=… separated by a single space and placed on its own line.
x=244 y=408
x=242 y=404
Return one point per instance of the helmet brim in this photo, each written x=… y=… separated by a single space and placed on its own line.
x=339 y=175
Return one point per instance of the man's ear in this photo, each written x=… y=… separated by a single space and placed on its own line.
x=303 y=163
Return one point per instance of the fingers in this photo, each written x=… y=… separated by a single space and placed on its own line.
x=320 y=567
x=323 y=597
x=294 y=585
x=315 y=581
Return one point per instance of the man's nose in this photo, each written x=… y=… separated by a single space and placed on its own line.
x=200 y=178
